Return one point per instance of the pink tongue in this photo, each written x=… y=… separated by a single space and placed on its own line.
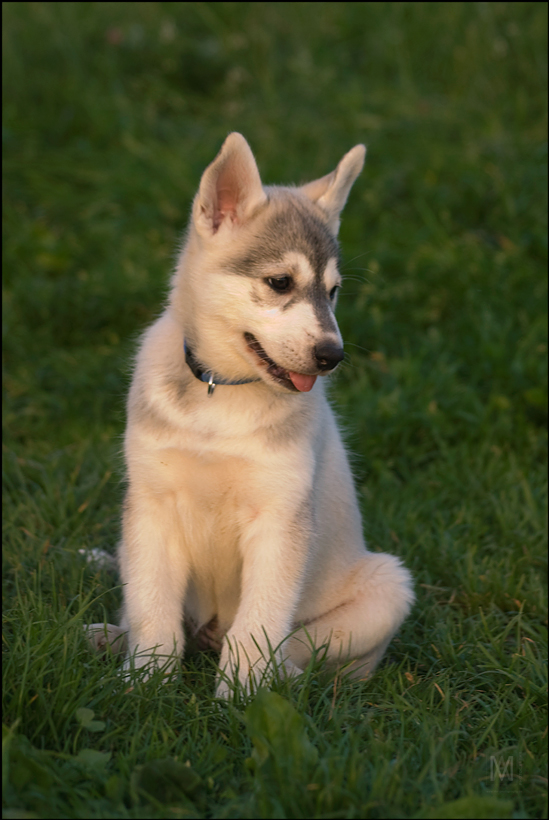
x=301 y=382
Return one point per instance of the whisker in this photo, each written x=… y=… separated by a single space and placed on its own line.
x=347 y=364
x=364 y=349
x=356 y=257
x=360 y=279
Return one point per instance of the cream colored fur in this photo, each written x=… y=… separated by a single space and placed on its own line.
x=241 y=511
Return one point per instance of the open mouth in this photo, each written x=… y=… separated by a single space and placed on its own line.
x=298 y=382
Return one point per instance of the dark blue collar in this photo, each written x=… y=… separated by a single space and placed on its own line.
x=208 y=376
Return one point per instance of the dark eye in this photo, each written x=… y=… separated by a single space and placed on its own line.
x=280 y=284
x=334 y=290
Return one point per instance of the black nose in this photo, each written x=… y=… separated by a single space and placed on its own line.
x=327 y=355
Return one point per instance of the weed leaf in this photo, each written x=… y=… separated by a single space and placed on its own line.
x=279 y=736
x=475 y=807
x=165 y=780
x=92 y=759
x=84 y=716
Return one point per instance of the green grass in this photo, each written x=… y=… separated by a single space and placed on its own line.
x=111 y=112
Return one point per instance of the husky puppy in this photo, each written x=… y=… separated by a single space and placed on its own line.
x=241 y=515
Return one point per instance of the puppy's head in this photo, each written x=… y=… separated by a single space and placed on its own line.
x=261 y=270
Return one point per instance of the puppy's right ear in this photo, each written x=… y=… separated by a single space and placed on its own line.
x=230 y=189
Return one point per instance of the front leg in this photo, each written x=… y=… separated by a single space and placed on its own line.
x=154 y=570
x=274 y=550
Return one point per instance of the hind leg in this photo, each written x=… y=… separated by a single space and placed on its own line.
x=358 y=615
x=207 y=637
x=104 y=636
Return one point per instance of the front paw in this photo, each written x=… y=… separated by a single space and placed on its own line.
x=245 y=682
x=248 y=678
x=142 y=665
x=225 y=689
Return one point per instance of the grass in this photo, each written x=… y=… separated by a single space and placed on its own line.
x=111 y=112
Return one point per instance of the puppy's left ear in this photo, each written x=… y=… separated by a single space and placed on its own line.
x=330 y=192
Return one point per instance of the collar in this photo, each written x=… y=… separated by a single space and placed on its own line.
x=208 y=376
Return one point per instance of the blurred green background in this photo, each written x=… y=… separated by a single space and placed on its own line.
x=111 y=113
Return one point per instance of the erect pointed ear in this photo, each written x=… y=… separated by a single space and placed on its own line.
x=230 y=189
x=330 y=192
